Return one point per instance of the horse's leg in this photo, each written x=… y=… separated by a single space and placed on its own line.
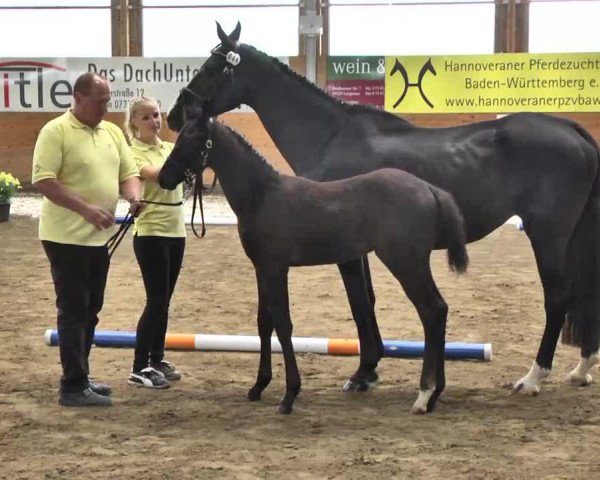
x=584 y=314
x=414 y=274
x=277 y=299
x=549 y=241
x=371 y=291
x=265 y=330
x=358 y=297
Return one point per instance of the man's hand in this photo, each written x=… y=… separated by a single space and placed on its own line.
x=131 y=190
x=99 y=217
x=57 y=193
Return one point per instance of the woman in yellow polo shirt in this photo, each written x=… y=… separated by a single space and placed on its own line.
x=158 y=243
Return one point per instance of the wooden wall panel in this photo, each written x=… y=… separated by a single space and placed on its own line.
x=18 y=132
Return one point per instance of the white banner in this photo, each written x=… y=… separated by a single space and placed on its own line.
x=46 y=84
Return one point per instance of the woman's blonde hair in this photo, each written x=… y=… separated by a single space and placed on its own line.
x=134 y=105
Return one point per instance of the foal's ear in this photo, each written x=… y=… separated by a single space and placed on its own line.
x=229 y=41
x=186 y=96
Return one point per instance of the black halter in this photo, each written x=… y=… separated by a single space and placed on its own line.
x=198 y=97
x=232 y=59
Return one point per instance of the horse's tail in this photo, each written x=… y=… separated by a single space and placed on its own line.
x=582 y=325
x=451 y=230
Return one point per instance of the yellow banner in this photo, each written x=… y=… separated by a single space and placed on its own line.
x=497 y=83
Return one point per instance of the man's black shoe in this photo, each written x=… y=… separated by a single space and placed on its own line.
x=100 y=388
x=84 y=398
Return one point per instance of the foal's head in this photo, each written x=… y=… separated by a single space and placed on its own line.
x=191 y=149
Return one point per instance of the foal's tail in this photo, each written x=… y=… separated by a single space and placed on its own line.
x=451 y=230
x=582 y=326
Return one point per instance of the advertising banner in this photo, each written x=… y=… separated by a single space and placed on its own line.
x=496 y=83
x=46 y=84
x=357 y=80
x=568 y=82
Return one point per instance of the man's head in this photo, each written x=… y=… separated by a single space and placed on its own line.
x=92 y=94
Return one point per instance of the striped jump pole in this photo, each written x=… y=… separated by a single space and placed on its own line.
x=251 y=343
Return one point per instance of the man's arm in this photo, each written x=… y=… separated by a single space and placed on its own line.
x=62 y=196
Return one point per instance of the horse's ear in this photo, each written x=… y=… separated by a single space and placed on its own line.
x=235 y=35
x=229 y=41
x=222 y=35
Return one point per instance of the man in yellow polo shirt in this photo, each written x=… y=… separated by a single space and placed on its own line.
x=80 y=163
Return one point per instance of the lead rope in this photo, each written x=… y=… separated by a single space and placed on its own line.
x=114 y=241
x=198 y=187
x=198 y=199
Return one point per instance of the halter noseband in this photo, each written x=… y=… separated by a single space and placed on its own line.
x=198 y=97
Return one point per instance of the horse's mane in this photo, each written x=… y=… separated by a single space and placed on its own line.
x=245 y=143
x=348 y=107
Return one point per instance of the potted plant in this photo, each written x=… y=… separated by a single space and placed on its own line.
x=9 y=186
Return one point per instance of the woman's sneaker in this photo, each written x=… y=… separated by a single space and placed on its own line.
x=149 y=378
x=167 y=369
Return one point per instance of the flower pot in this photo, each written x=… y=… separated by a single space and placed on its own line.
x=4 y=212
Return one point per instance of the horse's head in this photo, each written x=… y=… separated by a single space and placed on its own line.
x=190 y=152
x=218 y=83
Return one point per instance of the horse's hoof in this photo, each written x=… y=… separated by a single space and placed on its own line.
x=284 y=409
x=355 y=386
x=579 y=380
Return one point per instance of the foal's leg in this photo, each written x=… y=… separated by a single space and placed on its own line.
x=277 y=298
x=414 y=275
x=549 y=242
x=265 y=330
x=358 y=296
x=371 y=291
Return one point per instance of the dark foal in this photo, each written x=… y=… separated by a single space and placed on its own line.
x=540 y=167
x=286 y=221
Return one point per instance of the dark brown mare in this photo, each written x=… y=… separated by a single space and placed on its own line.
x=540 y=167
x=286 y=221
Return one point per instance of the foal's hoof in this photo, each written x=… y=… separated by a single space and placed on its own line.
x=425 y=402
x=284 y=409
x=354 y=384
x=418 y=409
x=525 y=388
x=253 y=395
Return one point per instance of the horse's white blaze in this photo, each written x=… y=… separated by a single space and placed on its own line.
x=420 y=405
x=530 y=383
x=580 y=375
